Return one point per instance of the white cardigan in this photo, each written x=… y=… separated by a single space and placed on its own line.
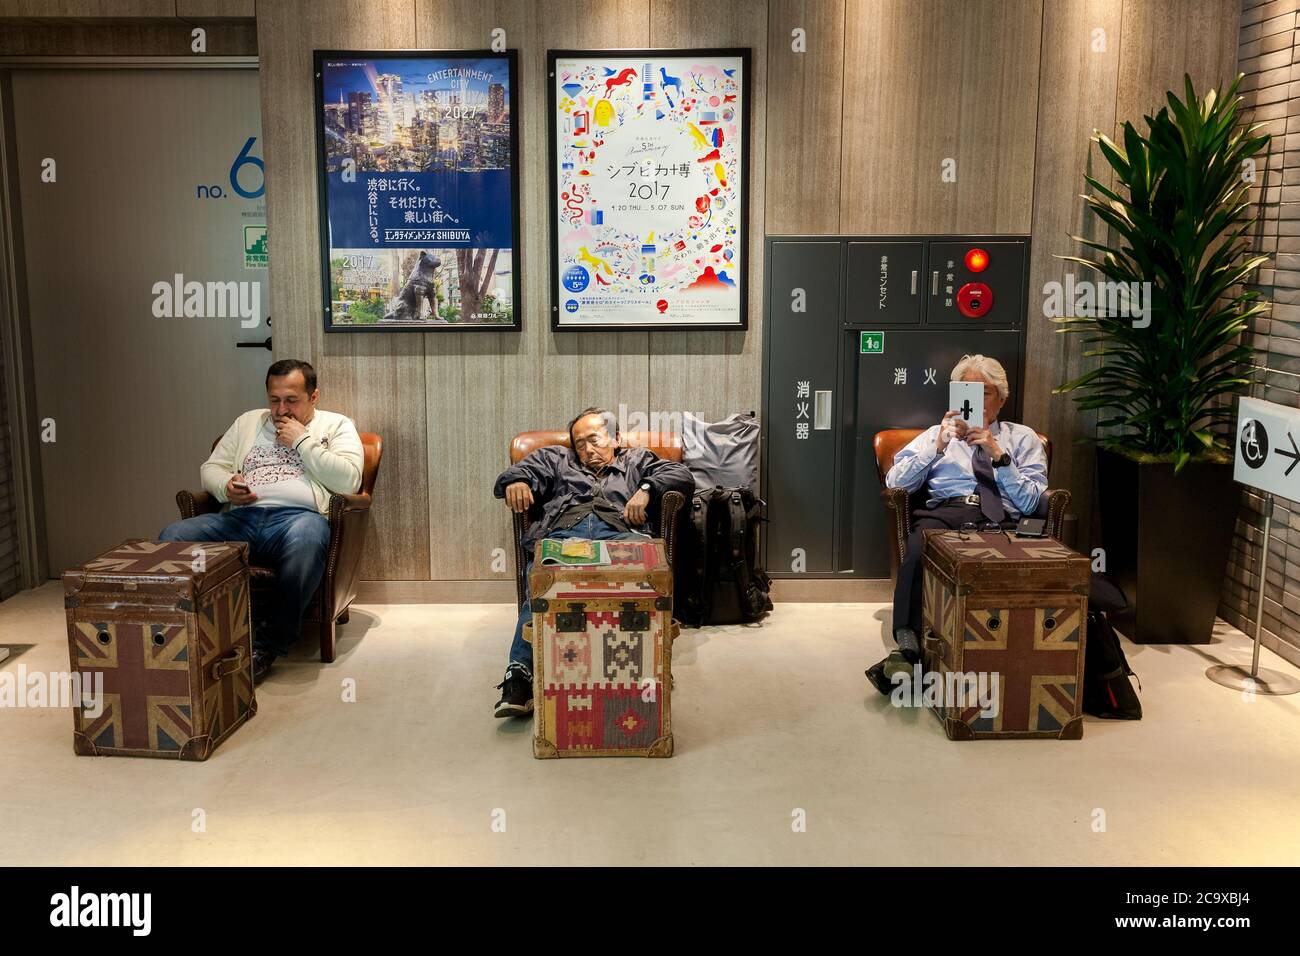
x=331 y=455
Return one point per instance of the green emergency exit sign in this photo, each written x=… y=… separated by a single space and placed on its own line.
x=872 y=343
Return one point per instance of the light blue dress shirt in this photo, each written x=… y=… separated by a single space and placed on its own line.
x=952 y=473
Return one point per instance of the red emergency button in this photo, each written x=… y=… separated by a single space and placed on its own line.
x=974 y=300
x=977 y=260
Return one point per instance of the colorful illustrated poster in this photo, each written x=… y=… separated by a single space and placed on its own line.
x=419 y=190
x=649 y=169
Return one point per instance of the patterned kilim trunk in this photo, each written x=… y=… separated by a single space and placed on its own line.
x=1004 y=623
x=163 y=627
x=602 y=647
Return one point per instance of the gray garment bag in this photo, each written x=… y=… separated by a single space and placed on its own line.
x=721 y=453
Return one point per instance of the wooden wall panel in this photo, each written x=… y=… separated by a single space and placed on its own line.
x=379 y=380
x=124 y=39
x=216 y=9
x=89 y=9
x=927 y=82
x=1163 y=39
x=1076 y=96
x=483 y=388
x=476 y=384
x=11 y=485
x=123 y=11
x=804 y=116
x=577 y=368
x=716 y=373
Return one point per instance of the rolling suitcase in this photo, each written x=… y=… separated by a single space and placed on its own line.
x=163 y=627
x=602 y=654
x=1011 y=613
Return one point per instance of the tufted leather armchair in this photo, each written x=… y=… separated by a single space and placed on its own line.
x=349 y=516
x=900 y=504
x=663 y=516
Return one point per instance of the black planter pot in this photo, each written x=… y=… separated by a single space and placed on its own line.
x=1167 y=539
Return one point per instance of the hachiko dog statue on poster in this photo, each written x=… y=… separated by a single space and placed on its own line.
x=419 y=286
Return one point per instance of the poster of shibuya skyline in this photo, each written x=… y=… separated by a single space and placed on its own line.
x=418 y=190
x=649 y=168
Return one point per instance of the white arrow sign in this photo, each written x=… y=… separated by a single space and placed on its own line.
x=1268 y=448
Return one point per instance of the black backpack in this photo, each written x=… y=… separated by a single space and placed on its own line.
x=720 y=580
x=1106 y=688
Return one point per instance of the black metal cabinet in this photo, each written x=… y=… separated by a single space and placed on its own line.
x=884 y=321
x=883 y=283
x=904 y=387
x=800 y=409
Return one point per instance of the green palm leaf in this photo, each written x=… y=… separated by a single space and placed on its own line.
x=1178 y=214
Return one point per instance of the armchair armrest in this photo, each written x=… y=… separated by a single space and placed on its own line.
x=519 y=523
x=349 y=518
x=670 y=508
x=899 y=504
x=341 y=504
x=193 y=503
x=1057 y=500
x=895 y=499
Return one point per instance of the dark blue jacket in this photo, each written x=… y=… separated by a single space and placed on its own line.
x=559 y=480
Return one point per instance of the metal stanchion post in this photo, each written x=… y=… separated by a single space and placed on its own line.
x=1258 y=681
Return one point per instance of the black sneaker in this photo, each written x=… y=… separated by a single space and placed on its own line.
x=263 y=658
x=516 y=693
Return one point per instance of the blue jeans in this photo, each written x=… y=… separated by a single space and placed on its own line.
x=292 y=541
x=590 y=527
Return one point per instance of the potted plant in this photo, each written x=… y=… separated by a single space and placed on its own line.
x=1171 y=354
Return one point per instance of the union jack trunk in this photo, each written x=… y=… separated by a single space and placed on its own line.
x=602 y=655
x=1004 y=621
x=166 y=624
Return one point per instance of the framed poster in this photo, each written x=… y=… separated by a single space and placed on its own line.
x=418 y=165
x=649 y=166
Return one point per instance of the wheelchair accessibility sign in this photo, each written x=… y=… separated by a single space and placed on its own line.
x=1266 y=448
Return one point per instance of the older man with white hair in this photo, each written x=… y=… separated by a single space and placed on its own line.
x=986 y=477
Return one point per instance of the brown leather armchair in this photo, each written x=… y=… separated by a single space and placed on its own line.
x=349 y=516
x=900 y=504
x=663 y=516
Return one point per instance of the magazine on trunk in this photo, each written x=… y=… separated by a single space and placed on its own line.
x=574 y=552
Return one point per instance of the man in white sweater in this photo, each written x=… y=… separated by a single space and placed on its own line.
x=275 y=469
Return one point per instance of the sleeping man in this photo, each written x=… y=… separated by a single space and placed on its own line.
x=595 y=489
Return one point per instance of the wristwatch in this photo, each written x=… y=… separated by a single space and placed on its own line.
x=645 y=486
x=1002 y=460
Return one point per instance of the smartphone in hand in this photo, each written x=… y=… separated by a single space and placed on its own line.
x=968 y=399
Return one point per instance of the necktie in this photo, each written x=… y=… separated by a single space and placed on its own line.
x=990 y=498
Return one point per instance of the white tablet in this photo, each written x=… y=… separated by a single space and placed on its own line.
x=968 y=399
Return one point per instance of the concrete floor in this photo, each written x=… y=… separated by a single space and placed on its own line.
x=769 y=721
